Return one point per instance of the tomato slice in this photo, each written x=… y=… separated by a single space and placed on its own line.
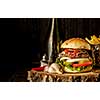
x=66 y=50
x=72 y=52
x=84 y=64
x=75 y=51
x=38 y=68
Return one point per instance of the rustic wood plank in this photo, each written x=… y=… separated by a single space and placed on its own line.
x=39 y=76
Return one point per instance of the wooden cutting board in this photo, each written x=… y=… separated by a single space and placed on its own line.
x=40 y=76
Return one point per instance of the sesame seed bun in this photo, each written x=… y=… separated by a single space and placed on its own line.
x=76 y=43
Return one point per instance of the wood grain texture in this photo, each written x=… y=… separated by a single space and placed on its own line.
x=36 y=76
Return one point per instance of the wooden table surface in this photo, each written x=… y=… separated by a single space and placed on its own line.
x=40 y=76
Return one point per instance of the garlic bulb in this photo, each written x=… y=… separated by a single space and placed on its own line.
x=54 y=68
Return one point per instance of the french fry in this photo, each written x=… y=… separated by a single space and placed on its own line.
x=88 y=40
x=99 y=39
x=94 y=40
x=91 y=37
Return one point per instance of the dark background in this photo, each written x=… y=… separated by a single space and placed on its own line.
x=23 y=40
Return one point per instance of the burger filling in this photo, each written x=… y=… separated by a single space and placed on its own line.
x=74 y=60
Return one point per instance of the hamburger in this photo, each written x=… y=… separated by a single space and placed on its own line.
x=75 y=56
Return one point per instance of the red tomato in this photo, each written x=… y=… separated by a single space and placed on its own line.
x=38 y=68
x=75 y=51
x=84 y=64
x=66 y=50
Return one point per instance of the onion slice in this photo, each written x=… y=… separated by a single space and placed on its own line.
x=63 y=58
x=77 y=59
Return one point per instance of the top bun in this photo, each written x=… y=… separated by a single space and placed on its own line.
x=77 y=43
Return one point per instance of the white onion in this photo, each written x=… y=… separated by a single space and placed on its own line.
x=77 y=59
x=64 y=58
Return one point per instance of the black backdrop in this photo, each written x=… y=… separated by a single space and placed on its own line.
x=68 y=28
x=23 y=40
